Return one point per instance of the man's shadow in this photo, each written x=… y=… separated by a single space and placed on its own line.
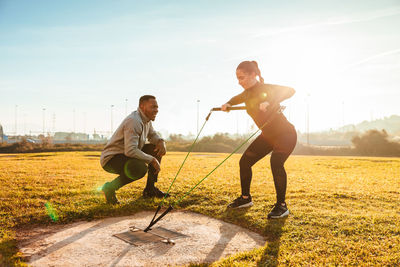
x=273 y=233
x=104 y=222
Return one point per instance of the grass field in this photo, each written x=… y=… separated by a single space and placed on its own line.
x=344 y=210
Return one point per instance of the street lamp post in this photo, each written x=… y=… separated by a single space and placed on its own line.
x=126 y=107
x=74 y=122
x=84 y=122
x=308 y=118
x=237 y=124
x=24 y=124
x=112 y=106
x=54 y=123
x=198 y=104
x=15 y=127
x=308 y=123
x=343 y=116
x=44 y=110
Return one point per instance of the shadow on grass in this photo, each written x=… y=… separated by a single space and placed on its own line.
x=59 y=245
x=42 y=156
x=96 y=212
x=273 y=233
x=123 y=209
x=225 y=237
x=9 y=255
x=92 y=156
x=121 y=255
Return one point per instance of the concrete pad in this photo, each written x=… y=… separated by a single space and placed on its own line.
x=93 y=244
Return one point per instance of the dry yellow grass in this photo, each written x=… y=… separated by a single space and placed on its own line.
x=344 y=210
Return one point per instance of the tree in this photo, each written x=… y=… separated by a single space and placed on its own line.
x=375 y=143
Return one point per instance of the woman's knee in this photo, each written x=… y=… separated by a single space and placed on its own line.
x=278 y=163
x=246 y=160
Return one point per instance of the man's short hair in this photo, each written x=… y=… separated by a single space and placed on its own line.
x=145 y=98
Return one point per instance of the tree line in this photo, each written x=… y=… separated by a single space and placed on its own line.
x=370 y=143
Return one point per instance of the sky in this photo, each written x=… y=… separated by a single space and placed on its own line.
x=82 y=65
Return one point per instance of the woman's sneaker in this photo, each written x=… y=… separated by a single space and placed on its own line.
x=241 y=202
x=279 y=210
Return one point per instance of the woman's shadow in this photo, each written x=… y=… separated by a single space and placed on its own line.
x=227 y=233
x=273 y=232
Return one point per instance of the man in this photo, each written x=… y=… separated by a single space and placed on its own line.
x=127 y=154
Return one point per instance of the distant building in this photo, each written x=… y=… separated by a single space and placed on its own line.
x=71 y=136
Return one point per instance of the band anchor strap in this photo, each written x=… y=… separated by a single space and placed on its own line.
x=153 y=222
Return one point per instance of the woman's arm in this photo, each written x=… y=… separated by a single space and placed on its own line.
x=280 y=93
x=276 y=94
x=238 y=99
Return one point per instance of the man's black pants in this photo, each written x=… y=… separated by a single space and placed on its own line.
x=123 y=165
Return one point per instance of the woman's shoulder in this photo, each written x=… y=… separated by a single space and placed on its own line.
x=264 y=87
x=268 y=85
x=271 y=86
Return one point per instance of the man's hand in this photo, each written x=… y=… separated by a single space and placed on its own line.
x=156 y=165
x=160 y=149
x=225 y=107
x=264 y=105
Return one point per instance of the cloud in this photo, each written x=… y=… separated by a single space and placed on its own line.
x=370 y=58
x=383 y=13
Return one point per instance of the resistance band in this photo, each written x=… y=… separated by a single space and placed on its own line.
x=173 y=181
x=279 y=110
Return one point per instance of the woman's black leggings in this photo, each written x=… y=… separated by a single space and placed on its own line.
x=281 y=147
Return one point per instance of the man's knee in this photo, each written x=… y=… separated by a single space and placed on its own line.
x=135 y=169
x=149 y=149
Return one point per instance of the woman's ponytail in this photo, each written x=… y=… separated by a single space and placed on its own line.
x=249 y=67
x=258 y=72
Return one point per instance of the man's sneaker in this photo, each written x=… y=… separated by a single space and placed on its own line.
x=279 y=210
x=241 y=202
x=153 y=192
x=109 y=193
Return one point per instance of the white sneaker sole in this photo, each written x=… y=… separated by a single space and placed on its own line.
x=286 y=213
x=244 y=205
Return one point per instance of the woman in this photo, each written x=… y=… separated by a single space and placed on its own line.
x=278 y=135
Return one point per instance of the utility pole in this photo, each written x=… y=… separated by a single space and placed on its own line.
x=126 y=107
x=73 y=120
x=308 y=119
x=84 y=122
x=112 y=106
x=308 y=123
x=343 y=116
x=54 y=122
x=44 y=110
x=237 y=123
x=198 y=104
x=15 y=126
x=24 y=123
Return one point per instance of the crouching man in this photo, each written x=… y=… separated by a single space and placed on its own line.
x=128 y=155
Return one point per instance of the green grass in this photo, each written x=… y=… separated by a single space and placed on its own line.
x=344 y=210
